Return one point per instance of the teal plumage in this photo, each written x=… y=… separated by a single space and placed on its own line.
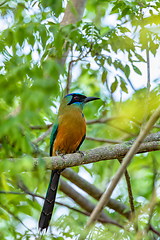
x=68 y=133
x=53 y=136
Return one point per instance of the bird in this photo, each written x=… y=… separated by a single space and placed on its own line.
x=68 y=133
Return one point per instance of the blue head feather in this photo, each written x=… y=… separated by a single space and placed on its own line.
x=72 y=99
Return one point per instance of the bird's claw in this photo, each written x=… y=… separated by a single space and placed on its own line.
x=60 y=154
x=81 y=153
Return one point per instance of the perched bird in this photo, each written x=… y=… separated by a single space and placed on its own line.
x=68 y=133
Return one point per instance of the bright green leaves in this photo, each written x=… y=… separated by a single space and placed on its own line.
x=13 y=140
x=125 y=8
x=153 y=47
x=55 y=5
x=20 y=35
x=30 y=34
x=123 y=85
x=58 y=41
x=139 y=57
x=8 y=37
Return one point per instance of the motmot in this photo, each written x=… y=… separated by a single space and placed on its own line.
x=68 y=133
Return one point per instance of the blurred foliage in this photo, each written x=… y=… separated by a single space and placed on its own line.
x=109 y=47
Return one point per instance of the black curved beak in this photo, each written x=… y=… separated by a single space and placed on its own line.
x=88 y=99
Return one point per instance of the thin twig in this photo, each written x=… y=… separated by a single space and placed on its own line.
x=148 y=90
x=44 y=135
x=36 y=127
x=122 y=130
x=69 y=77
x=17 y=218
x=59 y=203
x=71 y=18
x=104 y=140
x=151 y=228
x=129 y=81
x=129 y=189
x=105 y=120
x=70 y=66
x=101 y=120
x=3 y=3
x=80 y=200
x=154 y=195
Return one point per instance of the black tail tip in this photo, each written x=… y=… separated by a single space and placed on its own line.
x=41 y=228
x=43 y=222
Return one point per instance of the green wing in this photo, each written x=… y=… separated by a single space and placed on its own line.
x=53 y=135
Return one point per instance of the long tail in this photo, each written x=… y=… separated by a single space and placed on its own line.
x=48 y=206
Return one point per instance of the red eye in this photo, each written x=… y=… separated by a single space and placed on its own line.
x=76 y=98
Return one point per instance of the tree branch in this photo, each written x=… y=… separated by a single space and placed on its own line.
x=73 y=13
x=95 y=192
x=84 y=202
x=151 y=143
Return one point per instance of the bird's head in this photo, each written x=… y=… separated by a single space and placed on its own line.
x=75 y=100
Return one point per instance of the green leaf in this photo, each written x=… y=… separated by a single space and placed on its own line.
x=55 y=5
x=153 y=47
x=140 y=58
x=8 y=36
x=88 y=65
x=123 y=85
x=20 y=34
x=104 y=76
x=109 y=61
x=114 y=85
x=137 y=70
x=127 y=71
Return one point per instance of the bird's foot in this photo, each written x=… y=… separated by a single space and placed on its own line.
x=60 y=154
x=80 y=152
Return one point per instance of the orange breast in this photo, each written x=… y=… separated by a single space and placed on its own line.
x=71 y=130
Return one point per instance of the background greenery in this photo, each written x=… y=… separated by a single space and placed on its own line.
x=104 y=57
